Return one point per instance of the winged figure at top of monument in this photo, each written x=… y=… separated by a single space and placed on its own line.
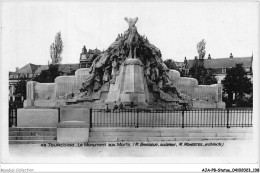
x=128 y=45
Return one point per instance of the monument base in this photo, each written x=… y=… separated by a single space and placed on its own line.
x=74 y=125
x=208 y=105
x=44 y=103
x=72 y=132
x=28 y=103
x=221 y=105
x=37 y=117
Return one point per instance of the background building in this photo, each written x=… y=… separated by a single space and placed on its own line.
x=29 y=71
x=220 y=65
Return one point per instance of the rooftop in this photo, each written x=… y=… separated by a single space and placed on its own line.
x=225 y=62
x=37 y=69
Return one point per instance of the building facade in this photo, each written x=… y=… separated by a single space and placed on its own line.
x=220 y=65
x=87 y=57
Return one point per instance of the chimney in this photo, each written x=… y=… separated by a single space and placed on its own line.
x=231 y=56
x=209 y=57
x=16 y=69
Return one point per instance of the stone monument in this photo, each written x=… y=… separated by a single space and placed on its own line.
x=130 y=70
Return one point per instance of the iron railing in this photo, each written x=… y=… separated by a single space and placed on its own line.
x=12 y=117
x=171 y=118
x=13 y=106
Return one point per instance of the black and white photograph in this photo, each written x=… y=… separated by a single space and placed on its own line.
x=147 y=86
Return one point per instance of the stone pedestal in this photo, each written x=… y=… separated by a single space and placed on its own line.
x=37 y=117
x=74 y=125
x=72 y=132
x=130 y=84
x=30 y=90
x=30 y=94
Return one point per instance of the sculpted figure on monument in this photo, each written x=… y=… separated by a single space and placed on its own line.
x=107 y=64
x=97 y=82
x=106 y=76
x=132 y=36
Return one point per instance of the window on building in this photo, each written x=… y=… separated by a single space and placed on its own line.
x=83 y=65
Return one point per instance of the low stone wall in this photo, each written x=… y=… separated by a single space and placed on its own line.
x=219 y=91
x=81 y=75
x=65 y=84
x=74 y=114
x=37 y=117
x=30 y=90
x=190 y=87
x=174 y=75
x=36 y=91
x=186 y=85
x=44 y=91
x=206 y=92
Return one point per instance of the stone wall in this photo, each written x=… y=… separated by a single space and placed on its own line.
x=186 y=85
x=174 y=75
x=190 y=87
x=45 y=94
x=81 y=75
x=219 y=92
x=37 y=117
x=206 y=92
x=44 y=91
x=65 y=84
x=30 y=90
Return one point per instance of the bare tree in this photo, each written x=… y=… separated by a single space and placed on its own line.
x=56 y=49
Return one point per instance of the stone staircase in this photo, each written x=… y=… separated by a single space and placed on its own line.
x=168 y=134
x=32 y=135
x=120 y=134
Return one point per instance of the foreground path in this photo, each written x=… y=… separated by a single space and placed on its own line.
x=209 y=151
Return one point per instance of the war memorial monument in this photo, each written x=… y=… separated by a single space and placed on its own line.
x=130 y=74
x=130 y=70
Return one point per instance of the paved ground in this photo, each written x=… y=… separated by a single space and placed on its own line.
x=232 y=151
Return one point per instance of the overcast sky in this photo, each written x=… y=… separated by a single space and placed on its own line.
x=174 y=27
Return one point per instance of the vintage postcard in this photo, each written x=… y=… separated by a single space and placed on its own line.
x=147 y=85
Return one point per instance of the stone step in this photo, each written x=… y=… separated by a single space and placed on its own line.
x=167 y=134
x=33 y=133
x=31 y=129
x=151 y=134
x=195 y=138
x=32 y=138
x=150 y=139
x=174 y=130
x=31 y=141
